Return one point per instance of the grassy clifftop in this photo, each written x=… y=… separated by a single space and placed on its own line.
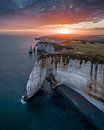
x=89 y=49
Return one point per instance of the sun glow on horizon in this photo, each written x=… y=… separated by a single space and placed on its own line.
x=63 y=31
x=55 y=29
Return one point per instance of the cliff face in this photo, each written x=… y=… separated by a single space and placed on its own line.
x=45 y=47
x=36 y=79
x=84 y=72
x=88 y=76
x=85 y=76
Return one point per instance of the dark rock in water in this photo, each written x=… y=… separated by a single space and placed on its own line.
x=30 y=50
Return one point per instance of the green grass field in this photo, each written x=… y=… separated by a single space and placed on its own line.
x=90 y=49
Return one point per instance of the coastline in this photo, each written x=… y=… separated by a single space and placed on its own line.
x=91 y=112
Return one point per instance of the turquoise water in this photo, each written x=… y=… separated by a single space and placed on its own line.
x=44 y=112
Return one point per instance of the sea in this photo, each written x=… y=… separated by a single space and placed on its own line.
x=45 y=111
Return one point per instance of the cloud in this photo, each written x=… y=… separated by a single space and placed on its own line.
x=81 y=25
x=54 y=11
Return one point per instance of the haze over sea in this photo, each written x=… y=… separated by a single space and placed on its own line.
x=44 y=112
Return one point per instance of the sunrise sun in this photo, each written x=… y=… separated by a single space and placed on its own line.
x=63 y=31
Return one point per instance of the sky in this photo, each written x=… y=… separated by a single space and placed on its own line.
x=52 y=16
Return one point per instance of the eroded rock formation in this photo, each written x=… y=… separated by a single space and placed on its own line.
x=84 y=71
x=94 y=67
